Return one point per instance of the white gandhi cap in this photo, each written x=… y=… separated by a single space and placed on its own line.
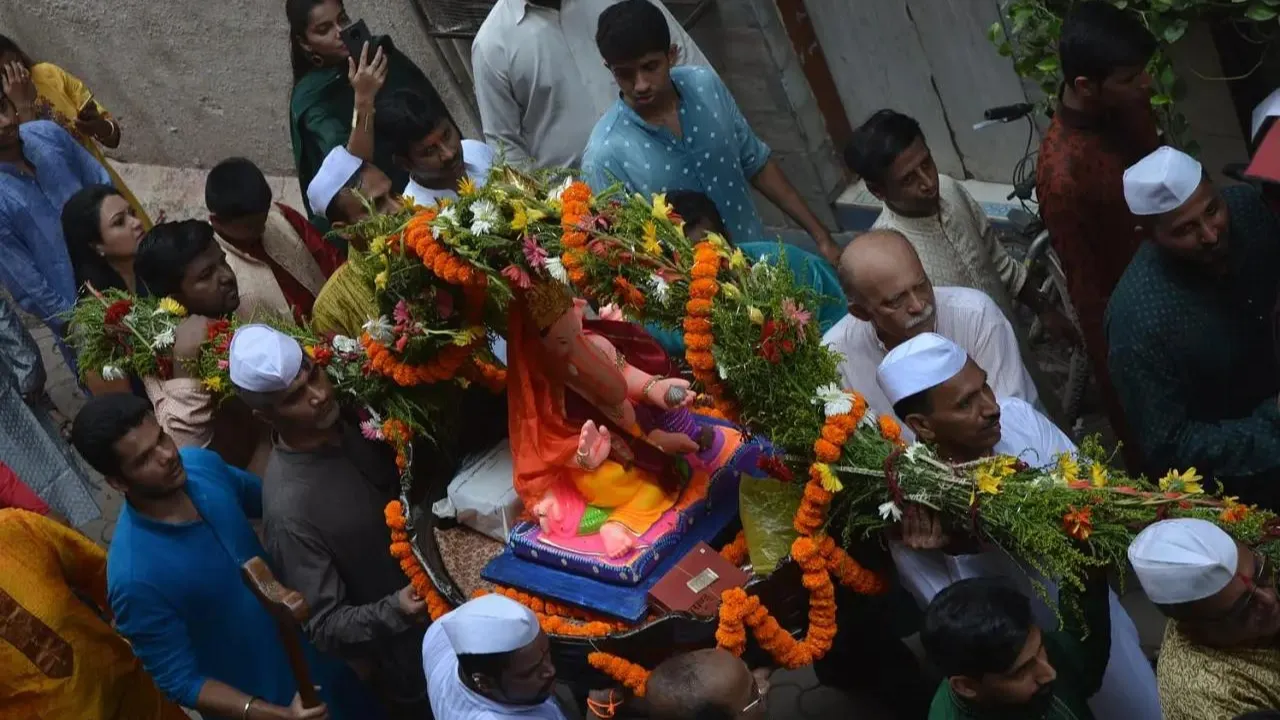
x=263 y=359
x=1183 y=560
x=1161 y=182
x=926 y=360
x=490 y=624
x=335 y=172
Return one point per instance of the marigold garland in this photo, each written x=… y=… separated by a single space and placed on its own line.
x=402 y=550
x=442 y=261
x=575 y=206
x=486 y=374
x=443 y=367
x=736 y=551
x=630 y=675
x=890 y=430
x=698 y=336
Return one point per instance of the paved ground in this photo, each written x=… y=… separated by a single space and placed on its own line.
x=180 y=195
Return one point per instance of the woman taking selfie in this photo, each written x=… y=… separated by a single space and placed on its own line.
x=334 y=89
x=44 y=91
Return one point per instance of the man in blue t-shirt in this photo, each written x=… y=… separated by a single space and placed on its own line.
x=679 y=128
x=173 y=575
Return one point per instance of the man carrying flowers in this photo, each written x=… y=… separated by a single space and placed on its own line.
x=943 y=395
x=182 y=261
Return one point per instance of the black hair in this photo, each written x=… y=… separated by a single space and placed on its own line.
x=8 y=45
x=695 y=208
x=236 y=188
x=167 y=250
x=298 y=13
x=101 y=423
x=917 y=404
x=82 y=230
x=878 y=142
x=679 y=682
x=631 y=29
x=975 y=627
x=407 y=115
x=491 y=665
x=1098 y=38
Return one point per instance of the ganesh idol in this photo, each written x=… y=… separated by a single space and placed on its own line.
x=602 y=440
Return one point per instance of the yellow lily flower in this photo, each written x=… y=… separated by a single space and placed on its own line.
x=651 y=244
x=519 y=219
x=661 y=210
x=173 y=307
x=466 y=187
x=1098 y=475
x=1067 y=469
x=1187 y=481
x=988 y=484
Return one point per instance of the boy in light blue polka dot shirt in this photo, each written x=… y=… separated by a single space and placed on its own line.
x=678 y=128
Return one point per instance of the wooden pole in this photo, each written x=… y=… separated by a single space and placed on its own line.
x=290 y=610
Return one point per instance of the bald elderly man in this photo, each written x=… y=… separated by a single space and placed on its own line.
x=710 y=683
x=891 y=300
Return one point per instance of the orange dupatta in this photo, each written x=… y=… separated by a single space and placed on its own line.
x=543 y=443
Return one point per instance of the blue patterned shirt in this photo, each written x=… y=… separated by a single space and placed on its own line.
x=717 y=155
x=34 y=263
x=1191 y=355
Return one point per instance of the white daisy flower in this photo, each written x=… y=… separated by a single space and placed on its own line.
x=484 y=217
x=661 y=288
x=380 y=329
x=448 y=214
x=890 y=511
x=163 y=340
x=555 y=268
x=111 y=373
x=344 y=344
x=834 y=400
x=557 y=191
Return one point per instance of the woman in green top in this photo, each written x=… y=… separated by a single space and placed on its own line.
x=333 y=93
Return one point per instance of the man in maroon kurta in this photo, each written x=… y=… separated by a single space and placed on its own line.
x=1103 y=124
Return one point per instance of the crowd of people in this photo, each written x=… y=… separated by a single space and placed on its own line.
x=1174 y=281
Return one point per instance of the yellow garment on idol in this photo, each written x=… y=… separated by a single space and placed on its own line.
x=345 y=303
x=58 y=657
x=633 y=497
x=59 y=97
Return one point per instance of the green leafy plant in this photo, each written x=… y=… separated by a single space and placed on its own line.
x=1029 y=32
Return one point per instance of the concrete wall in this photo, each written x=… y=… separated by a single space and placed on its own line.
x=194 y=81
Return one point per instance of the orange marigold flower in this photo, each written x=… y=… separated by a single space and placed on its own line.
x=698 y=307
x=890 y=429
x=826 y=451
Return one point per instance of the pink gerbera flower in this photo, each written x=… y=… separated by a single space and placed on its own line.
x=401 y=313
x=517 y=276
x=533 y=252
x=795 y=313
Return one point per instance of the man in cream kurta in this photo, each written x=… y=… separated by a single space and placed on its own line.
x=958 y=246
x=966 y=317
x=540 y=81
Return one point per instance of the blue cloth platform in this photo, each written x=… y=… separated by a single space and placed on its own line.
x=629 y=603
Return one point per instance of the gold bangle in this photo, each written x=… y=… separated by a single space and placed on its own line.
x=654 y=380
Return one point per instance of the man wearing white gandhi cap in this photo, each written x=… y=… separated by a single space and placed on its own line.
x=1189 y=328
x=332 y=193
x=943 y=395
x=489 y=659
x=323 y=495
x=1219 y=658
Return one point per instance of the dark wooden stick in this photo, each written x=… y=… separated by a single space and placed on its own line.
x=290 y=610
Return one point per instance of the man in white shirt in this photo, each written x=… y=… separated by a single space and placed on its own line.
x=891 y=300
x=540 y=81
x=943 y=395
x=488 y=659
x=426 y=142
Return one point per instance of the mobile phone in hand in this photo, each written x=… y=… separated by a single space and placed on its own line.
x=355 y=35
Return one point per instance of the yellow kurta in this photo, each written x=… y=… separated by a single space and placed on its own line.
x=1203 y=683
x=60 y=95
x=58 y=658
x=345 y=303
